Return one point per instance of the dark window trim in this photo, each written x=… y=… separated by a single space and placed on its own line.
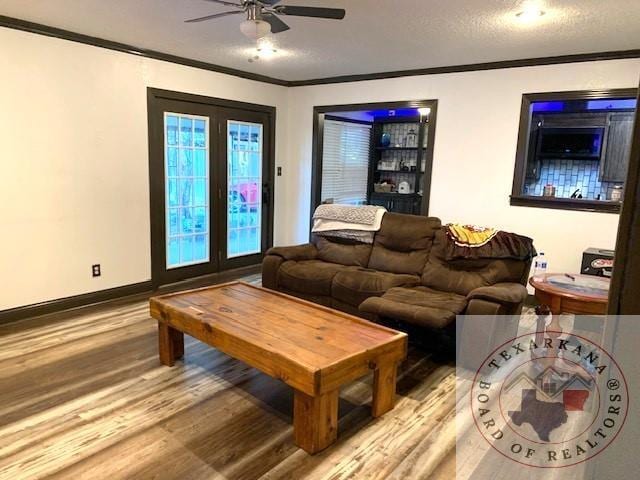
x=347 y=120
x=48 y=31
x=319 y=115
x=520 y=200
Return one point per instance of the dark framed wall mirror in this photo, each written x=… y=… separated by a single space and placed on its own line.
x=374 y=153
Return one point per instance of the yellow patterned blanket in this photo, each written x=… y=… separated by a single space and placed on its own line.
x=470 y=235
x=469 y=242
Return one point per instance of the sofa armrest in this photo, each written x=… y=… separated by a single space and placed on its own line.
x=308 y=251
x=502 y=293
x=270 y=266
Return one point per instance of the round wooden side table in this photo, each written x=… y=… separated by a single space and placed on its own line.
x=569 y=293
x=566 y=293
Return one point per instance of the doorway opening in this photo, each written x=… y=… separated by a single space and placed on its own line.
x=375 y=154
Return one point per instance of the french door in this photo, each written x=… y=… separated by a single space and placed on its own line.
x=211 y=165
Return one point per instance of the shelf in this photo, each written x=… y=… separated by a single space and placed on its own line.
x=408 y=172
x=560 y=203
x=399 y=149
x=396 y=194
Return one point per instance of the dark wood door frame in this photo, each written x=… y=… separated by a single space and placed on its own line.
x=625 y=282
x=319 y=115
x=155 y=99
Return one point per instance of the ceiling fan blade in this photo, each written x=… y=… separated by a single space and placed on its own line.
x=277 y=25
x=270 y=2
x=317 y=12
x=228 y=4
x=211 y=17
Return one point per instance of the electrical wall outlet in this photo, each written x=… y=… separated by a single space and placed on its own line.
x=95 y=270
x=279 y=172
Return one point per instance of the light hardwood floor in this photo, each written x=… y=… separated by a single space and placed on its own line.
x=83 y=395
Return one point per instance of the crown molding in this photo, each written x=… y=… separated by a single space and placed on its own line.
x=40 y=29
x=37 y=28
x=473 y=67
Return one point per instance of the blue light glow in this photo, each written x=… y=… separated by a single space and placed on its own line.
x=400 y=112
x=625 y=103
x=548 y=106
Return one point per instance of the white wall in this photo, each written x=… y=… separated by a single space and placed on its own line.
x=74 y=157
x=474 y=155
x=74 y=162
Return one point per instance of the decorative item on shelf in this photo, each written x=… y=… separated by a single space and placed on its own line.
x=382 y=187
x=549 y=190
x=404 y=188
x=411 y=139
x=616 y=193
x=403 y=166
x=385 y=139
x=412 y=168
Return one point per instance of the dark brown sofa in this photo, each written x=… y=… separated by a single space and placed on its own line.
x=405 y=275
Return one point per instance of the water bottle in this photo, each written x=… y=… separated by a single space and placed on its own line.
x=540 y=266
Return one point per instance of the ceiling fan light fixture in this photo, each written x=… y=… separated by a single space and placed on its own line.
x=255 y=29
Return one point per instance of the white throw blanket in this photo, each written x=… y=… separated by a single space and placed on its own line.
x=345 y=221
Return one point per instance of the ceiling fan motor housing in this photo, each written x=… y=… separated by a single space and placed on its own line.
x=263 y=15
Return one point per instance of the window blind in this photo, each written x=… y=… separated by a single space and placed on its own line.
x=345 y=162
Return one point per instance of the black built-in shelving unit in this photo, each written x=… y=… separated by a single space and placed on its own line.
x=395 y=201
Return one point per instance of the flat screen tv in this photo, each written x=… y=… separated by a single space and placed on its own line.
x=575 y=143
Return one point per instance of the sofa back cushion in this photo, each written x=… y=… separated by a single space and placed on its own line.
x=403 y=243
x=463 y=275
x=342 y=251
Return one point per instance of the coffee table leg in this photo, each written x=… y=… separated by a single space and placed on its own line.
x=384 y=388
x=315 y=420
x=170 y=344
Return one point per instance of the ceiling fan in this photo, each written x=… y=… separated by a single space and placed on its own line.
x=262 y=15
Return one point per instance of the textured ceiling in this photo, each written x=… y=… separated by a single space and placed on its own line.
x=375 y=36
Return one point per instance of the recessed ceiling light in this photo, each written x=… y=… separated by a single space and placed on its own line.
x=264 y=51
x=530 y=13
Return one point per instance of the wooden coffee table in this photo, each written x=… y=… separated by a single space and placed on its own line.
x=313 y=349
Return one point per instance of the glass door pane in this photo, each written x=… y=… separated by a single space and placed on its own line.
x=187 y=189
x=244 y=188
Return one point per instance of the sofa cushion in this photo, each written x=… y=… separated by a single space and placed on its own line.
x=306 y=251
x=343 y=252
x=513 y=293
x=355 y=285
x=420 y=306
x=403 y=243
x=463 y=276
x=311 y=277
